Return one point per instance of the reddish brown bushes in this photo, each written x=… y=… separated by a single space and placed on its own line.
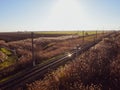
x=23 y=50
x=93 y=70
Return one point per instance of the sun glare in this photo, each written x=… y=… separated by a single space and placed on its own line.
x=64 y=14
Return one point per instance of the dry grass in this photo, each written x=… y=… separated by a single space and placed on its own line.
x=44 y=49
x=97 y=69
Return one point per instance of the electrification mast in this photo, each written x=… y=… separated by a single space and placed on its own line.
x=33 y=56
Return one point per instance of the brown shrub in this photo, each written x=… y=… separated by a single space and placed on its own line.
x=91 y=71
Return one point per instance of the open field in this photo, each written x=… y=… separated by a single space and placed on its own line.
x=45 y=49
x=96 y=69
x=69 y=32
x=14 y=36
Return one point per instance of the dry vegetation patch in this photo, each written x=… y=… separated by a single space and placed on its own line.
x=96 y=69
x=44 y=50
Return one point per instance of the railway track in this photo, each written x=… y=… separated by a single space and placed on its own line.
x=40 y=70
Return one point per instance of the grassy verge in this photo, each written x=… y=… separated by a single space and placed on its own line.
x=9 y=61
x=9 y=58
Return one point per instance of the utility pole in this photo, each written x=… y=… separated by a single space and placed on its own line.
x=33 y=56
x=83 y=36
x=96 y=35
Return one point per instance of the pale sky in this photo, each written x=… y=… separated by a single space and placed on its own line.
x=40 y=15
